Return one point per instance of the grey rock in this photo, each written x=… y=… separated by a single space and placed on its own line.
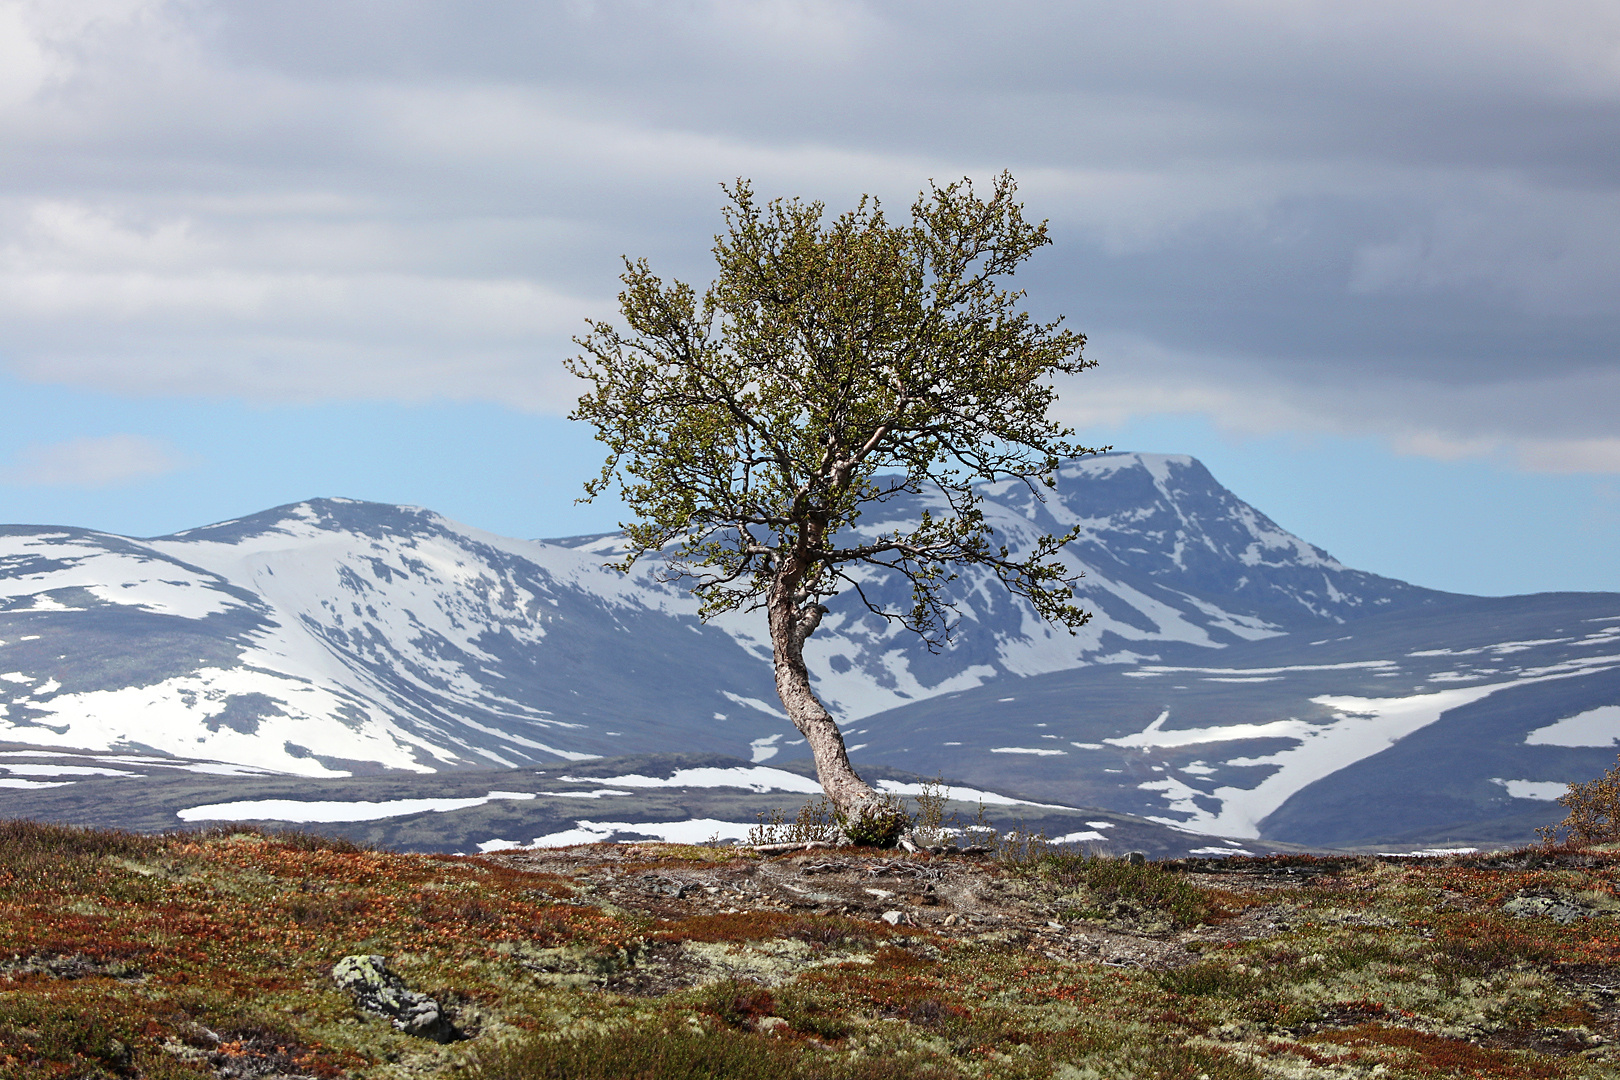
x=378 y=990
x=664 y=887
x=1545 y=907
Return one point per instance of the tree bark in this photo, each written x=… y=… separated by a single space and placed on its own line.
x=791 y=622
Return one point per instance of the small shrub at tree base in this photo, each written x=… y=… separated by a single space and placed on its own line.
x=878 y=823
x=816 y=823
x=1020 y=847
x=771 y=828
x=982 y=832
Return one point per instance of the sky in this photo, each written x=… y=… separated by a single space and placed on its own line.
x=1363 y=260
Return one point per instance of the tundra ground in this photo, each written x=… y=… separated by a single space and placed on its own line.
x=210 y=955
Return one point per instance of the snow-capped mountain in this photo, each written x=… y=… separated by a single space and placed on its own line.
x=335 y=636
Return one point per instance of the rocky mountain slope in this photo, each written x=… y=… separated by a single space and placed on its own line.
x=1421 y=727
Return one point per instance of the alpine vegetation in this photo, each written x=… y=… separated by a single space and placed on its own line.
x=828 y=372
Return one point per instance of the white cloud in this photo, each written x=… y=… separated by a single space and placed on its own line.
x=106 y=461
x=24 y=64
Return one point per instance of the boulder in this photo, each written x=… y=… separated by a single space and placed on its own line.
x=1555 y=908
x=378 y=990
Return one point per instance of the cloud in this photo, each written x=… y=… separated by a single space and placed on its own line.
x=104 y=461
x=1569 y=455
x=1388 y=218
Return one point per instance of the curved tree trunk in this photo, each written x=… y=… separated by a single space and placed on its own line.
x=790 y=625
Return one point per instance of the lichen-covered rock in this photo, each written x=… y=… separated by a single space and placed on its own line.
x=1550 y=907
x=378 y=990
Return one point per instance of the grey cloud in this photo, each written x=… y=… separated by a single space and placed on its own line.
x=351 y=198
x=1536 y=422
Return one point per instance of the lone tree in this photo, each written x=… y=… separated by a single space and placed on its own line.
x=830 y=368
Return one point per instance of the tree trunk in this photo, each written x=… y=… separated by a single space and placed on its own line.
x=791 y=623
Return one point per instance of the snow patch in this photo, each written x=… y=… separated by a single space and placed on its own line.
x=693 y=831
x=765 y=749
x=755 y=703
x=1594 y=727
x=965 y=794
x=756 y=779
x=1361 y=727
x=61 y=770
x=1542 y=790
x=307 y=726
x=1154 y=737
x=597 y=793
x=331 y=811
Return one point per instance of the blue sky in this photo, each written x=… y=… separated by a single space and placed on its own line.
x=1363 y=260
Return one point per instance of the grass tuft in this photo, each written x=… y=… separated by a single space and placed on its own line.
x=681 y=1052
x=1114 y=888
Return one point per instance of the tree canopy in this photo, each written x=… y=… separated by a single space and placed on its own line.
x=830 y=368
